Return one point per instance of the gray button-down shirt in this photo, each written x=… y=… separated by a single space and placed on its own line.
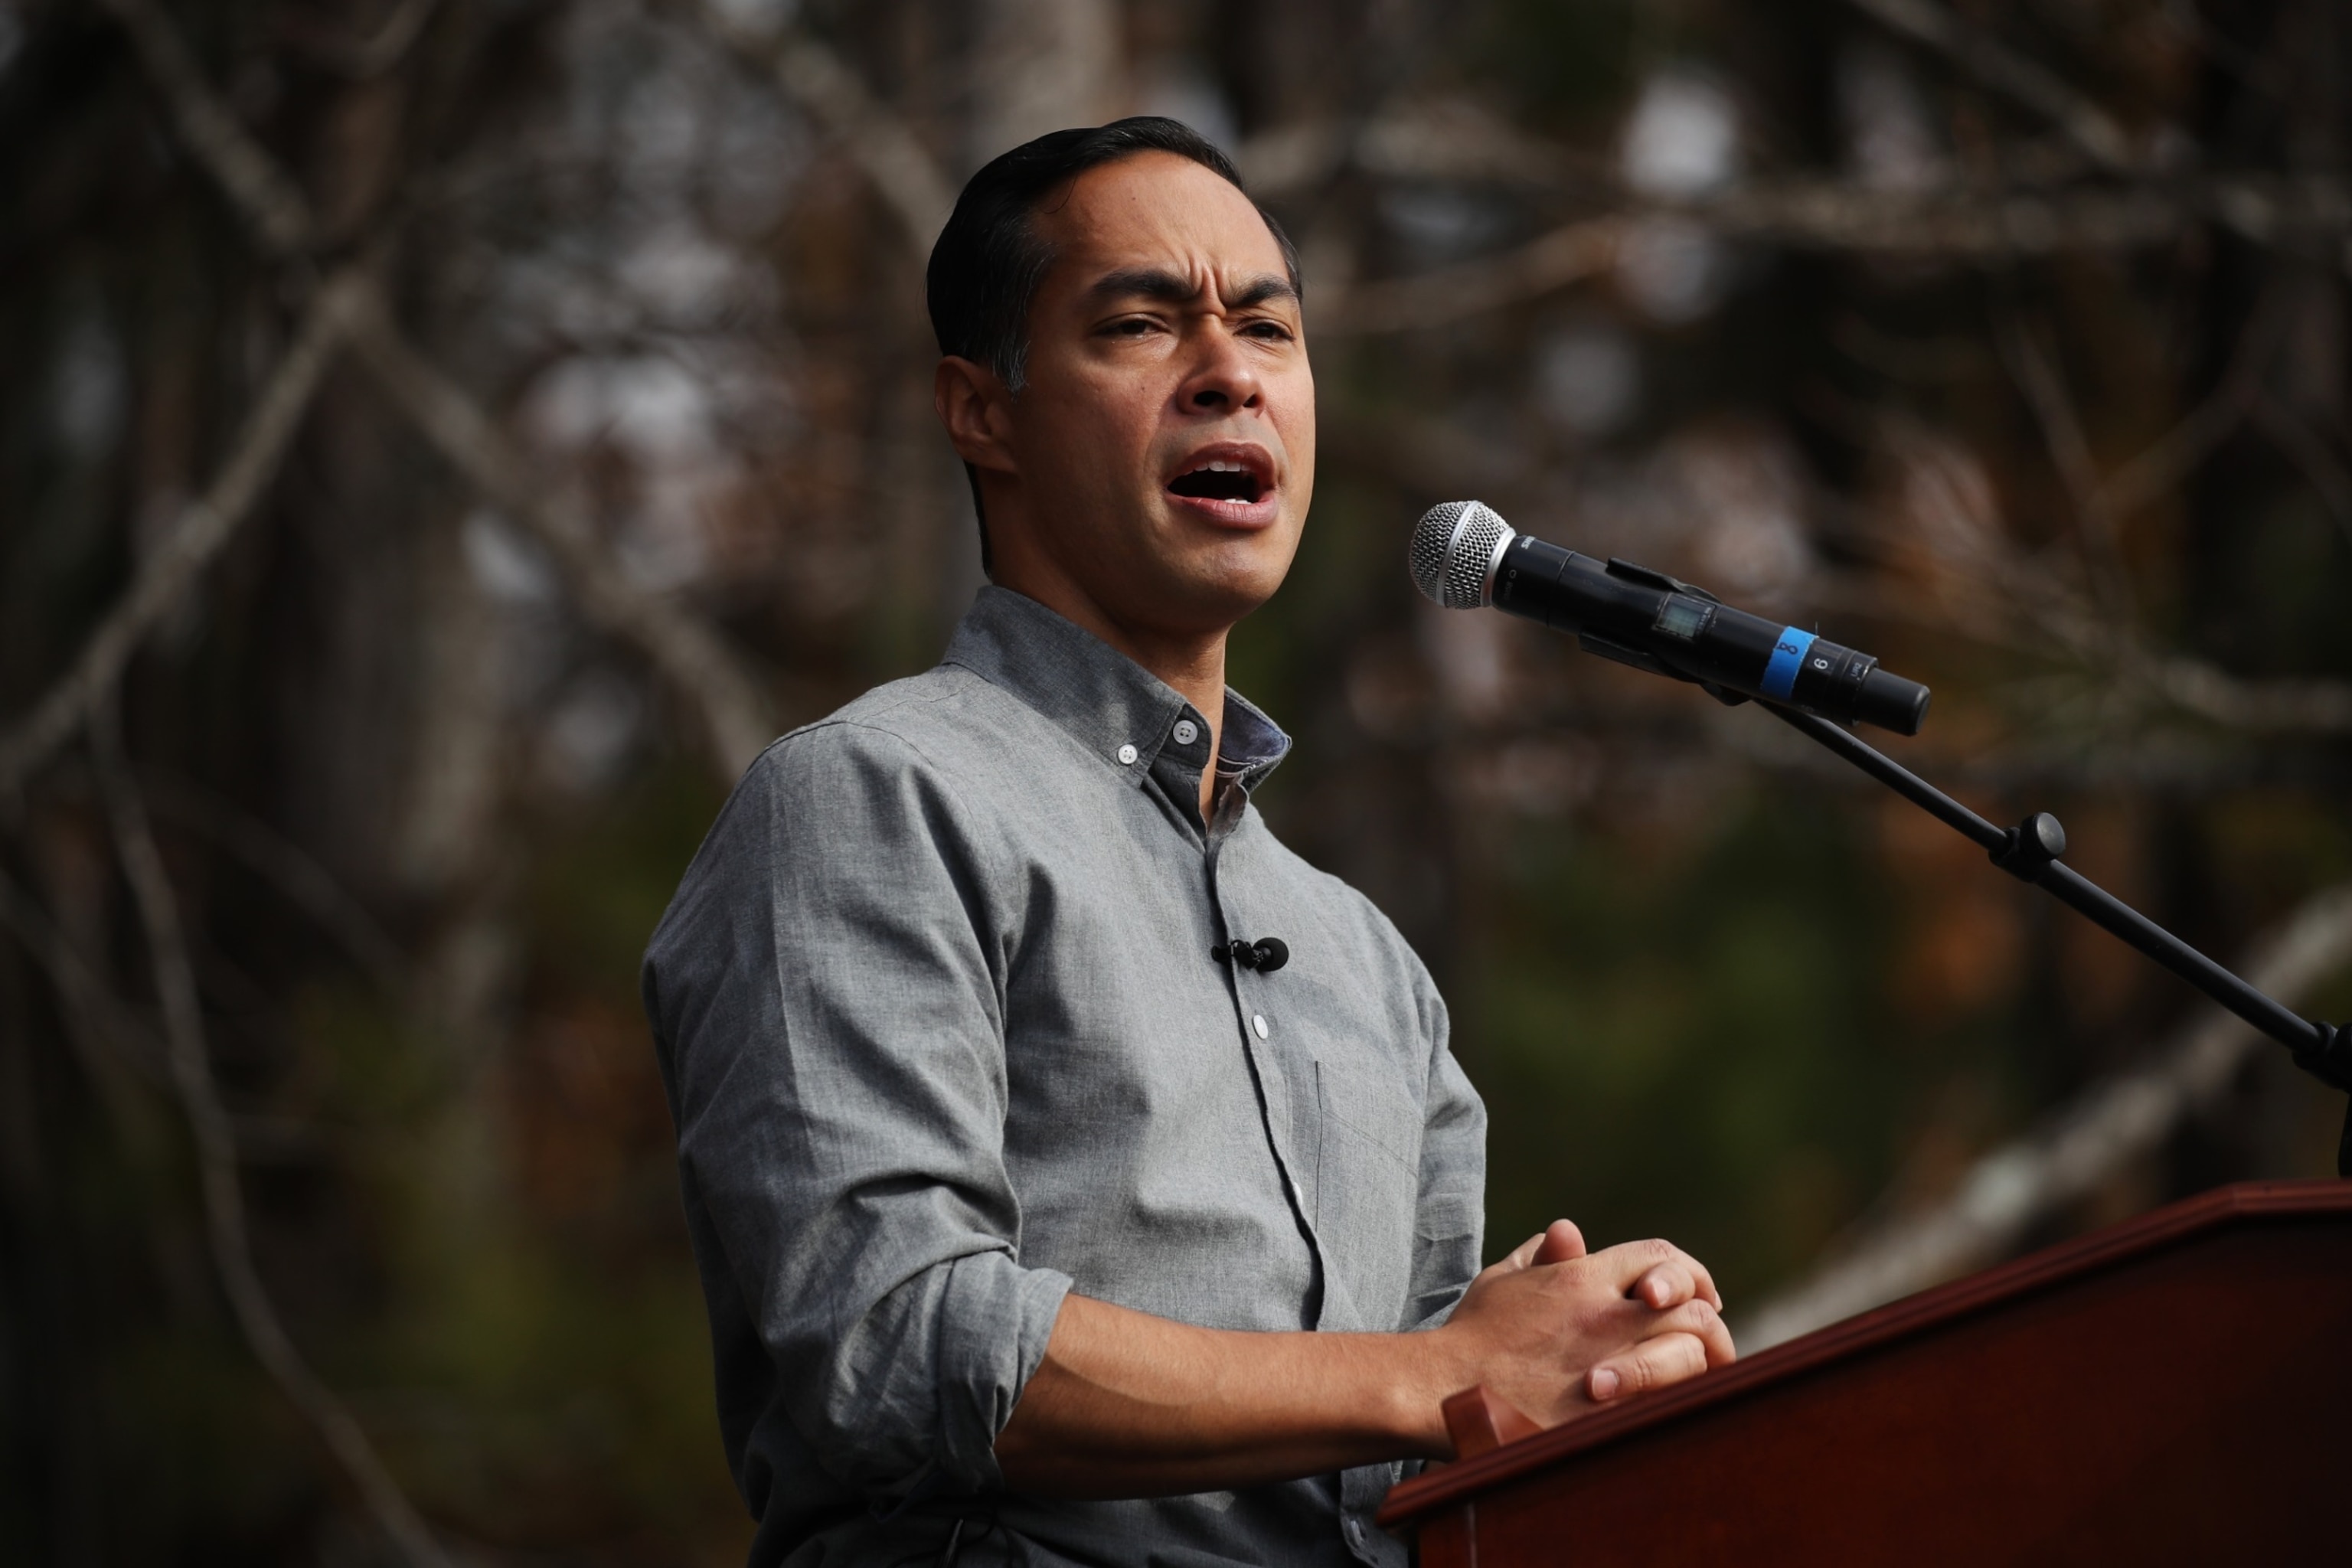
x=944 y=1040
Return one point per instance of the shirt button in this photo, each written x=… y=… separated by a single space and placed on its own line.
x=1355 y=1532
x=1186 y=731
x=1126 y=756
x=1257 y=1022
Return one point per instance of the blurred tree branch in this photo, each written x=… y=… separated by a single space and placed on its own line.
x=98 y=1026
x=2033 y=367
x=2109 y=1126
x=1997 y=598
x=347 y=307
x=1443 y=140
x=2308 y=450
x=204 y=530
x=362 y=57
x=271 y=202
x=298 y=876
x=217 y=1157
x=1819 y=214
x=110 y=1040
x=732 y=709
x=1568 y=255
x=881 y=142
x=728 y=702
x=1815 y=215
x=2173 y=457
x=2277 y=706
x=2014 y=76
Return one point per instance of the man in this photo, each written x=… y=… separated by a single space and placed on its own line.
x=1048 y=1212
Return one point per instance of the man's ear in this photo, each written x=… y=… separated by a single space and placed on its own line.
x=977 y=411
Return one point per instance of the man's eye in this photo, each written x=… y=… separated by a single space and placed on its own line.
x=1133 y=327
x=1273 y=332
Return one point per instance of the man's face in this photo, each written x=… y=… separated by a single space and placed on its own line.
x=1165 y=438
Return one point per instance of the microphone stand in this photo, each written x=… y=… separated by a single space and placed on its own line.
x=2030 y=851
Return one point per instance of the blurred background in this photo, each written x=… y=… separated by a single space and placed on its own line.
x=443 y=439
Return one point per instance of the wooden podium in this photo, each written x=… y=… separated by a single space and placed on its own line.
x=2177 y=1389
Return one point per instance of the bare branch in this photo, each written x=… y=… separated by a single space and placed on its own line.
x=97 y=1024
x=215 y=1149
x=372 y=56
x=2113 y=1124
x=2009 y=73
x=264 y=196
x=1832 y=215
x=878 y=140
x=1996 y=598
x=2248 y=66
x=733 y=709
x=2034 y=367
x=1565 y=256
x=2279 y=706
x=204 y=530
x=2176 y=455
x=680 y=646
x=1441 y=140
x=2304 y=447
x=1966 y=225
x=305 y=883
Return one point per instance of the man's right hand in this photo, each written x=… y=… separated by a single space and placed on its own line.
x=1127 y=1405
x=1558 y=1331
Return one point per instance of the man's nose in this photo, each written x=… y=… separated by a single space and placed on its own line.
x=1224 y=379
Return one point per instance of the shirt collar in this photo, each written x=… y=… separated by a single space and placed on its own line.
x=1106 y=702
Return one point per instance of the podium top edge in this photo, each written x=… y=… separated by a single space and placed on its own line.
x=1412 y=1501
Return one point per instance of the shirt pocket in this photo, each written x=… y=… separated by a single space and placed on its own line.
x=1363 y=1107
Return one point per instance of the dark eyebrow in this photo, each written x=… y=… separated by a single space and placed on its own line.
x=1261 y=290
x=1155 y=283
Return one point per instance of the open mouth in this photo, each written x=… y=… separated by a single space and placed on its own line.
x=1219 y=480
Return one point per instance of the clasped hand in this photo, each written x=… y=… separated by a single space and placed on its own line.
x=1127 y=1405
x=1557 y=1330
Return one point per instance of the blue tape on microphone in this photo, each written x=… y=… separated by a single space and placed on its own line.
x=1787 y=658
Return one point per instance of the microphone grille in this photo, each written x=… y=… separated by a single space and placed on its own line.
x=1452 y=545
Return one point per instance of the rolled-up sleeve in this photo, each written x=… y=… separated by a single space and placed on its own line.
x=826 y=992
x=1450 y=1222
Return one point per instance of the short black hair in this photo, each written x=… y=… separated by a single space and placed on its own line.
x=989 y=260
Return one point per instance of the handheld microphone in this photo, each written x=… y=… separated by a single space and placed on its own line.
x=1465 y=556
